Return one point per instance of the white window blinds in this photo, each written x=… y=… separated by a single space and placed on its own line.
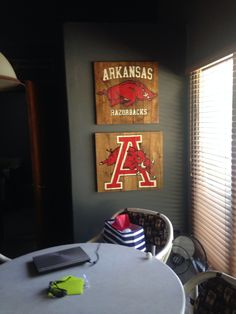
x=212 y=147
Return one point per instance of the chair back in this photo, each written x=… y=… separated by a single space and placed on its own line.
x=4 y=259
x=157 y=227
x=211 y=292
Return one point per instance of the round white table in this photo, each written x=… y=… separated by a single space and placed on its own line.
x=123 y=281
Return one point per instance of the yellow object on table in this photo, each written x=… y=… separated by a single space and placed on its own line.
x=68 y=285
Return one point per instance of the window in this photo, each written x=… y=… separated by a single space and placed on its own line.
x=213 y=162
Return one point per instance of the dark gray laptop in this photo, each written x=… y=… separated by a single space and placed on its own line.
x=60 y=259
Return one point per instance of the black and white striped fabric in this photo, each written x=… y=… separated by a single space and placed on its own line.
x=134 y=237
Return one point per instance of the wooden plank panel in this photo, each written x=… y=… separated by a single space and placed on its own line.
x=126 y=92
x=129 y=161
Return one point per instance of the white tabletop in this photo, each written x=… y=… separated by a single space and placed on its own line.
x=123 y=281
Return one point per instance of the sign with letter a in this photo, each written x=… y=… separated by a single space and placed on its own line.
x=126 y=92
x=129 y=161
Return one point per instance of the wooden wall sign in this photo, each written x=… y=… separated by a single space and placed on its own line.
x=129 y=161
x=126 y=92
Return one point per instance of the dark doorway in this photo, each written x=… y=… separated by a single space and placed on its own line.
x=18 y=215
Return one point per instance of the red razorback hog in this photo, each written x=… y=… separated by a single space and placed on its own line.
x=127 y=93
x=135 y=159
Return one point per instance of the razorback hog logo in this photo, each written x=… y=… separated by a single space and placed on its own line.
x=127 y=93
x=135 y=160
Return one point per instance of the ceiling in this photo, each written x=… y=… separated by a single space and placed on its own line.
x=108 y=11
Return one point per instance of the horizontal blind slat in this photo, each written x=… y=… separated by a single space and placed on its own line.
x=215 y=221
x=212 y=139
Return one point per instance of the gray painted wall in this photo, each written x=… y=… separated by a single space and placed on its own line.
x=85 y=43
x=211 y=31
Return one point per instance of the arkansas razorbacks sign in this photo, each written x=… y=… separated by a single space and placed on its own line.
x=129 y=161
x=126 y=92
